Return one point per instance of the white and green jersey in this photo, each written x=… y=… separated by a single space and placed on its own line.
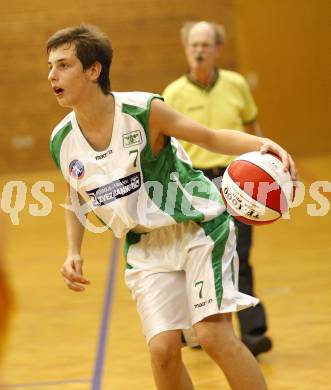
x=127 y=187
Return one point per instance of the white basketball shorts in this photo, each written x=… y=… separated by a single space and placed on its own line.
x=183 y=273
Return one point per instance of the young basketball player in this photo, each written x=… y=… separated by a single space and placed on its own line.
x=119 y=152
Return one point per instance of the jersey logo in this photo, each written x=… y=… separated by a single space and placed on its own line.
x=132 y=138
x=115 y=190
x=103 y=155
x=76 y=169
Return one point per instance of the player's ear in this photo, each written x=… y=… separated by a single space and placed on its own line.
x=94 y=71
x=218 y=49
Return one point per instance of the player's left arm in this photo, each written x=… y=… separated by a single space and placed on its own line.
x=165 y=121
x=254 y=128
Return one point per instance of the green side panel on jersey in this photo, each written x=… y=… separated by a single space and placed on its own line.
x=56 y=143
x=163 y=169
x=166 y=168
x=141 y=114
x=218 y=230
x=130 y=239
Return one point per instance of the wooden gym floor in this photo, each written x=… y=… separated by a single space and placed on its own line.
x=55 y=332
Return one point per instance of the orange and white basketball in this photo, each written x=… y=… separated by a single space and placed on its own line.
x=255 y=188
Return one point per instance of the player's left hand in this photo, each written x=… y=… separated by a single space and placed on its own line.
x=288 y=163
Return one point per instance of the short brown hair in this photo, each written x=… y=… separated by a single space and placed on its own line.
x=91 y=45
x=217 y=28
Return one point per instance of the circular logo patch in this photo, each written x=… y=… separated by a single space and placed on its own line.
x=76 y=169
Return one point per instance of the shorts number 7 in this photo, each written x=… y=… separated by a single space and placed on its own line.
x=200 y=292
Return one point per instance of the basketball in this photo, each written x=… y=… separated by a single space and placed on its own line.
x=255 y=188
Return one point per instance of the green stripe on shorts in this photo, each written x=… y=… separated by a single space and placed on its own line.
x=218 y=230
x=130 y=239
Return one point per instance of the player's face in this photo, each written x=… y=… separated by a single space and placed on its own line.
x=66 y=75
x=201 y=50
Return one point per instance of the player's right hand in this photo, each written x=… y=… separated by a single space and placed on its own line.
x=72 y=273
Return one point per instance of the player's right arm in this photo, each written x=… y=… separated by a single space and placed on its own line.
x=72 y=269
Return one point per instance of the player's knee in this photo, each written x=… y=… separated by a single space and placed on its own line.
x=163 y=354
x=218 y=344
x=206 y=339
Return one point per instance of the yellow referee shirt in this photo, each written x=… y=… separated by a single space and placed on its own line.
x=227 y=104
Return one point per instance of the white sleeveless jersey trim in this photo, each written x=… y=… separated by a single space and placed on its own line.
x=118 y=182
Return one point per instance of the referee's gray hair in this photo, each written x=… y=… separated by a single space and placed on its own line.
x=217 y=28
